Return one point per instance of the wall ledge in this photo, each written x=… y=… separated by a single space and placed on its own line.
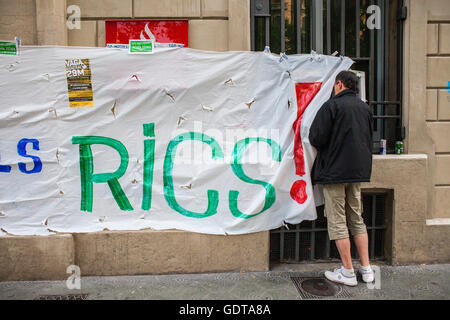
x=438 y=222
x=400 y=156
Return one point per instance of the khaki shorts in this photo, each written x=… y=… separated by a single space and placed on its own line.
x=342 y=207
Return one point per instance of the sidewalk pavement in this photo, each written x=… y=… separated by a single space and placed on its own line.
x=397 y=282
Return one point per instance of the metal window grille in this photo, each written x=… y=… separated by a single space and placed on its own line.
x=299 y=26
x=308 y=241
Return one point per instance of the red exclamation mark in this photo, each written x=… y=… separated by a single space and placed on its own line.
x=305 y=93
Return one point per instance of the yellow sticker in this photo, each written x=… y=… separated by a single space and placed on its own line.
x=79 y=83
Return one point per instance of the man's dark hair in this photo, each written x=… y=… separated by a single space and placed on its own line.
x=348 y=79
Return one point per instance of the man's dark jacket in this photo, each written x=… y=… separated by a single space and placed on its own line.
x=342 y=135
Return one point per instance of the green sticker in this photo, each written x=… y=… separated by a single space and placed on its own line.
x=140 y=46
x=8 y=47
x=169 y=195
x=87 y=171
x=236 y=165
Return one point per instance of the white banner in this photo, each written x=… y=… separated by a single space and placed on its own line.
x=98 y=139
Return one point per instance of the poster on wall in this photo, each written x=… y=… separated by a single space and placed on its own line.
x=209 y=142
x=156 y=30
x=79 y=86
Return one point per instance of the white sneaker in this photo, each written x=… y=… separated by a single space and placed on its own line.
x=367 y=274
x=339 y=277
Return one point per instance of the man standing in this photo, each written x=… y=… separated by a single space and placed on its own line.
x=342 y=135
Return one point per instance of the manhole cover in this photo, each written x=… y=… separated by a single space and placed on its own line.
x=82 y=296
x=319 y=288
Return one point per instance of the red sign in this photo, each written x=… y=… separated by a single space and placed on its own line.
x=159 y=30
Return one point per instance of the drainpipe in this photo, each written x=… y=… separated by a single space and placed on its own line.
x=401 y=16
